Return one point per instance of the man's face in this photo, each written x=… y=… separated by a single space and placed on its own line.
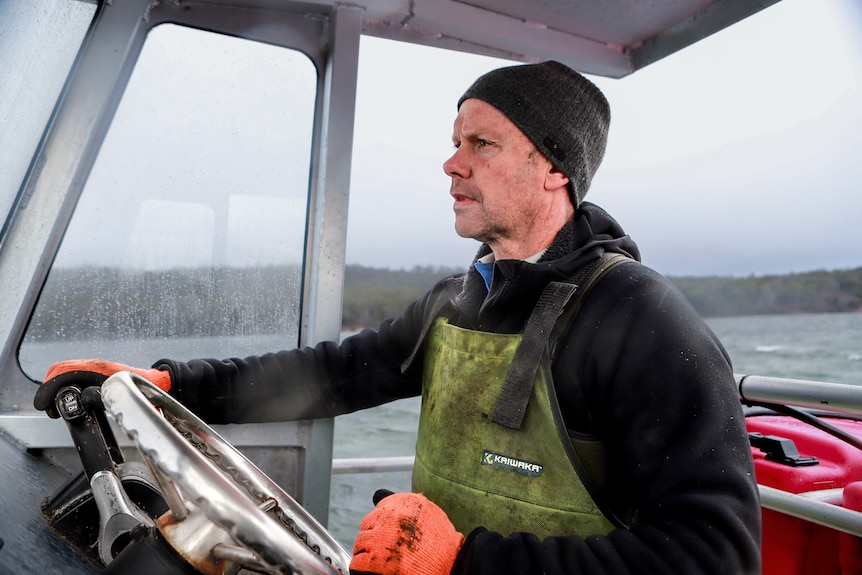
x=497 y=176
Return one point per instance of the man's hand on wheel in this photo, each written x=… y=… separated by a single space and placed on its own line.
x=87 y=373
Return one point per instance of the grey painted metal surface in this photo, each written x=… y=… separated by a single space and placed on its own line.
x=608 y=38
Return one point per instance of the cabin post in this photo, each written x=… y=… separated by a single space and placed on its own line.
x=326 y=241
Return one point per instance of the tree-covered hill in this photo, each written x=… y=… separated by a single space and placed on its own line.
x=811 y=292
x=374 y=294
x=102 y=302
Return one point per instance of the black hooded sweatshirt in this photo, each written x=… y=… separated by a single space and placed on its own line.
x=637 y=369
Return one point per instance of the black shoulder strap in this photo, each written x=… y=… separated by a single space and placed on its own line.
x=438 y=308
x=554 y=300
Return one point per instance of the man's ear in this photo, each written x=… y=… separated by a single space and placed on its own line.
x=555 y=179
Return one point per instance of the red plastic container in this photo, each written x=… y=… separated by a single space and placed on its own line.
x=849 y=546
x=794 y=546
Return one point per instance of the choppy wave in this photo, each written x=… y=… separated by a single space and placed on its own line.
x=767 y=348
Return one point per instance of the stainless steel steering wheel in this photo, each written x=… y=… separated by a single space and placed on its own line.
x=225 y=513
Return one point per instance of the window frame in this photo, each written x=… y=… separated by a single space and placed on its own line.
x=330 y=37
x=171 y=192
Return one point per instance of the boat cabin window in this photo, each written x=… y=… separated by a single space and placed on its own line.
x=39 y=41
x=188 y=239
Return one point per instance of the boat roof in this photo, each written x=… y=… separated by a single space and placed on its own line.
x=610 y=38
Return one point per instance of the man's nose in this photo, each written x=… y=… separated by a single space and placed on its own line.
x=455 y=166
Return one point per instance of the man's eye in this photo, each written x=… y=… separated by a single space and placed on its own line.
x=480 y=143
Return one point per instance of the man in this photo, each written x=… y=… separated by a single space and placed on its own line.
x=577 y=416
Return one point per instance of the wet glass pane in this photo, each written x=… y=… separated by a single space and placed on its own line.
x=188 y=239
x=38 y=44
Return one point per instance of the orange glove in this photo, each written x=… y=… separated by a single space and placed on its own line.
x=87 y=373
x=406 y=534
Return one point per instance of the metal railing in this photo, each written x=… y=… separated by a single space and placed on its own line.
x=372 y=464
x=837 y=397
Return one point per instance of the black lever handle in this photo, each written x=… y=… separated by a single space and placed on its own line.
x=781 y=450
x=88 y=425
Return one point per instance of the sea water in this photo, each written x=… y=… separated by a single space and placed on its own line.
x=821 y=347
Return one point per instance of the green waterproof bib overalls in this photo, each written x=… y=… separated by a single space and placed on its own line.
x=488 y=457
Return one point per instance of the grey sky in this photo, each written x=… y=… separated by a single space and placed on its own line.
x=737 y=156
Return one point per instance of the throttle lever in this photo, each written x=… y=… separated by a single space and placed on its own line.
x=84 y=415
x=119 y=518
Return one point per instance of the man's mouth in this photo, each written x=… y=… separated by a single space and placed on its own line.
x=462 y=199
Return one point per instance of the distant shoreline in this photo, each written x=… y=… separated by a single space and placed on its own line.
x=94 y=303
x=374 y=294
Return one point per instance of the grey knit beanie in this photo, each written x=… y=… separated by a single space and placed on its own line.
x=565 y=115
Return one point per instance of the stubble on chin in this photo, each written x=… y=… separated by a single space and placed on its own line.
x=478 y=229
